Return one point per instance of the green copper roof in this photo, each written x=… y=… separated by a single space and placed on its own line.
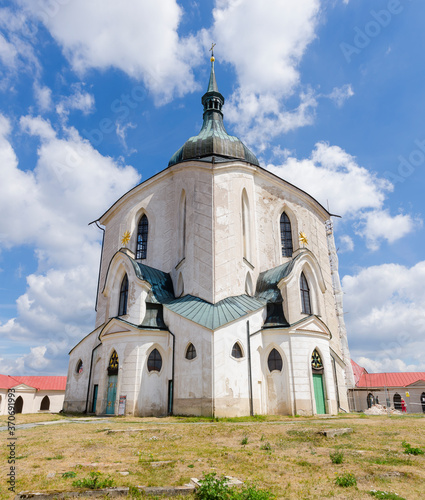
x=214 y=316
x=213 y=140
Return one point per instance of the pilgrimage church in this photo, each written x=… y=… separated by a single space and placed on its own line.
x=218 y=295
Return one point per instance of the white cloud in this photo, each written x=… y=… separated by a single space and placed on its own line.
x=340 y=94
x=385 y=316
x=79 y=100
x=49 y=208
x=346 y=243
x=265 y=42
x=140 y=38
x=43 y=97
x=332 y=175
x=379 y=225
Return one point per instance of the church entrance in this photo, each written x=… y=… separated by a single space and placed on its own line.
x=318 y=384
x=112 y=384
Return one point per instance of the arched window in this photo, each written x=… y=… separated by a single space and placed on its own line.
x=45 y=404
x=286 y=235
x=113 y=364
x=79 y=367
x=246 y=234
x=423 y=401
x=248 y=285
x=182 y=225
x=154 y=361
x=370 y=400
x=274 y=360
x=122 y=307
x=190 y=352
x=19 y=404
x=142 y=238
x=305 y=295
x=397 y=402
x=237 y=351
x=316 y=361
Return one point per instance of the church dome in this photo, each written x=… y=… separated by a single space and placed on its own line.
x=213 y=140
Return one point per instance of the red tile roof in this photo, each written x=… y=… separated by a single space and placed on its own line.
x=390 y=379
x=40 y=383
x=358 y=371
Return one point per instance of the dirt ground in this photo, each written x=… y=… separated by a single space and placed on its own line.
x=286 y=456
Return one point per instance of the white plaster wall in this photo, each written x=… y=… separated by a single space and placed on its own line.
x=193 y=378
x=77 y=383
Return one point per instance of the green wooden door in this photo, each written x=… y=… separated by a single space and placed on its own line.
x=112 y=394
x=319 y=393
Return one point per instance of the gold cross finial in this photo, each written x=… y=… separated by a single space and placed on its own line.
x=212 y=51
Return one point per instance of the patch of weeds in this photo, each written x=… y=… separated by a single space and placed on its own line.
x=304 y=463
x=94 y=481
x=266 y=446
x=216 y=488
x=212 y=488
x=56 y=457
x=69 y=474
x=337 y=456
x=386 y=495
x=409 y=450
x=134 y=492
x=389 y=460
x=346 y=480
x=263 y=437
x=191 y=466
x=244 y=441
x=21 y=456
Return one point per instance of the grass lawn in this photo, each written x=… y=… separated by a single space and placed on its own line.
x=284 y=455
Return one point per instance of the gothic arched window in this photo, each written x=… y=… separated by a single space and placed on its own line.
x=154 y=361
x=316 y=361
x=274 y=361
x=113 y=364
x=122 y=307
x=286 y=235
x=190 y=352
x=237 y=351
x=142 y=237
x=305 y=295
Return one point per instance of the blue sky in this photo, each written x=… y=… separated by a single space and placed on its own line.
x=96 y=96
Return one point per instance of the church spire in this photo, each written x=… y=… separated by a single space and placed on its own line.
x=212 y=100
x=212 y=86
x=213 y=143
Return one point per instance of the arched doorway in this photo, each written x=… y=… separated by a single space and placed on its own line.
x=19 y=404
x=370 y=400
x=423 y=401
x=45 y=404
x=318 y=383
x=112 y=383
x=397 y=401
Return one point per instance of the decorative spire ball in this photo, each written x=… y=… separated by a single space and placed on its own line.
x=212 y=58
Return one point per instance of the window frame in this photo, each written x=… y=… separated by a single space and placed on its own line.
x=305 y=295
x=191 y=350
x=149 y=360
x=142 y=238
x=123 y=297
x=286 y=240
x=238 y=344
x=279 y=359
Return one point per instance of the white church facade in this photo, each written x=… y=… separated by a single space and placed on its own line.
x=209 y=302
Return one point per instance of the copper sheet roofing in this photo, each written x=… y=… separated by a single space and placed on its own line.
x=46 y=383
x=358 y=371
